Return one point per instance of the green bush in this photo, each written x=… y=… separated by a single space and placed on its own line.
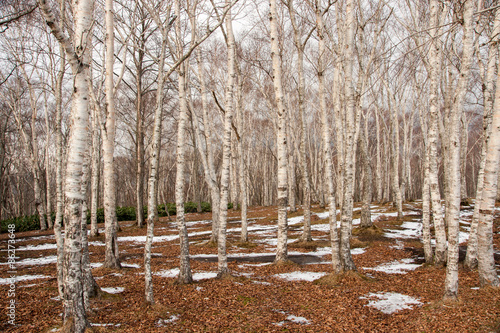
x=28 y=223
x=172 y=210
x=229 y=205
x=206 y=207
x=22 y=223
x=99 y=213
x=125 y=213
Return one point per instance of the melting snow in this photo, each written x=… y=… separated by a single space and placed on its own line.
x=395 y=267
x=300 y=276
x=113 y=290
x=35 y=261
x=22 y=278
x=131 y=265
x=410 y=230
x=163 y=322
x=172 y=273
x=298 y=320
x=389 y=303
x=47 y=246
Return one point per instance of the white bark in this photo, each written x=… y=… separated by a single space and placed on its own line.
x=111 y=259
x=74 y=310
x=299 y=45
x=453 y=209
x=326 y=138
x=488 y=275
x=435 y=68
x=96 y=168
x=281 y=249
x=350 y=139
x=185 y=268
x=488 y=97
x=222 y=268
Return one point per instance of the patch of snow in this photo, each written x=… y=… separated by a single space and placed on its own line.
x=263 y=282
x=104 y=325
x=298 y=320
x=204 y=275
x=29 y=247
x=396 y=267
x=131 y=265
x=358 y=250
x=300 y=276
x=172 y=273
x=164 y=322
x=96 y=265
x=389 y=303
x=475 y=288
x=410 y=230
x=18 y=278
x=255 y=265
x=399 y=245
x=142 y=239
x=96 y=243
x=35 y=261
x=113 y=290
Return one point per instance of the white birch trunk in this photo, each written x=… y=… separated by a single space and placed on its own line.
x=453 y=210
x=111 y=259
x=222 y=268
x=241 y=159
x=59 y=167
x=488 y=97
x=488 y=275
x=350 y=138
x=96 y=168
x=185 y=268
x=326 y=138
x=48 y=191
x=281 y=249
x=206 y=152
x=366 y=196
x=435 y=67
x=75 y=319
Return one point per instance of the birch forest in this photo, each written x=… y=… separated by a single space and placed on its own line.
x=250 y=165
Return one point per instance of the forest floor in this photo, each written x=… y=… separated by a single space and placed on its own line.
x=392 y=291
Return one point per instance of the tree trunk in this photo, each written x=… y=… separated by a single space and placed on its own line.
x=486 y=261
x=222 y=268
x=96 y=163
x=326 y=136
x=281 y=249
x=453 y=209
x=488 y=96
x=185 y=267
x=111 y=259
x=350 y=147
x=366 y=219
x=59 y=166
x=435 y=67
x=75 y=319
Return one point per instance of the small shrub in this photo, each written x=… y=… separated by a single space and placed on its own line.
x=22 y=223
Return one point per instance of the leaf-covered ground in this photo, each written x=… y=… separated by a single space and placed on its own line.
x=393 y=291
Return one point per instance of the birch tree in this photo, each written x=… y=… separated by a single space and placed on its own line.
x=222 y=268
x=488 y=275
x=326 y=136
x=74 y=316
x=281 y=249
x=300 y=46
x=488 y=74
x=453 y=209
